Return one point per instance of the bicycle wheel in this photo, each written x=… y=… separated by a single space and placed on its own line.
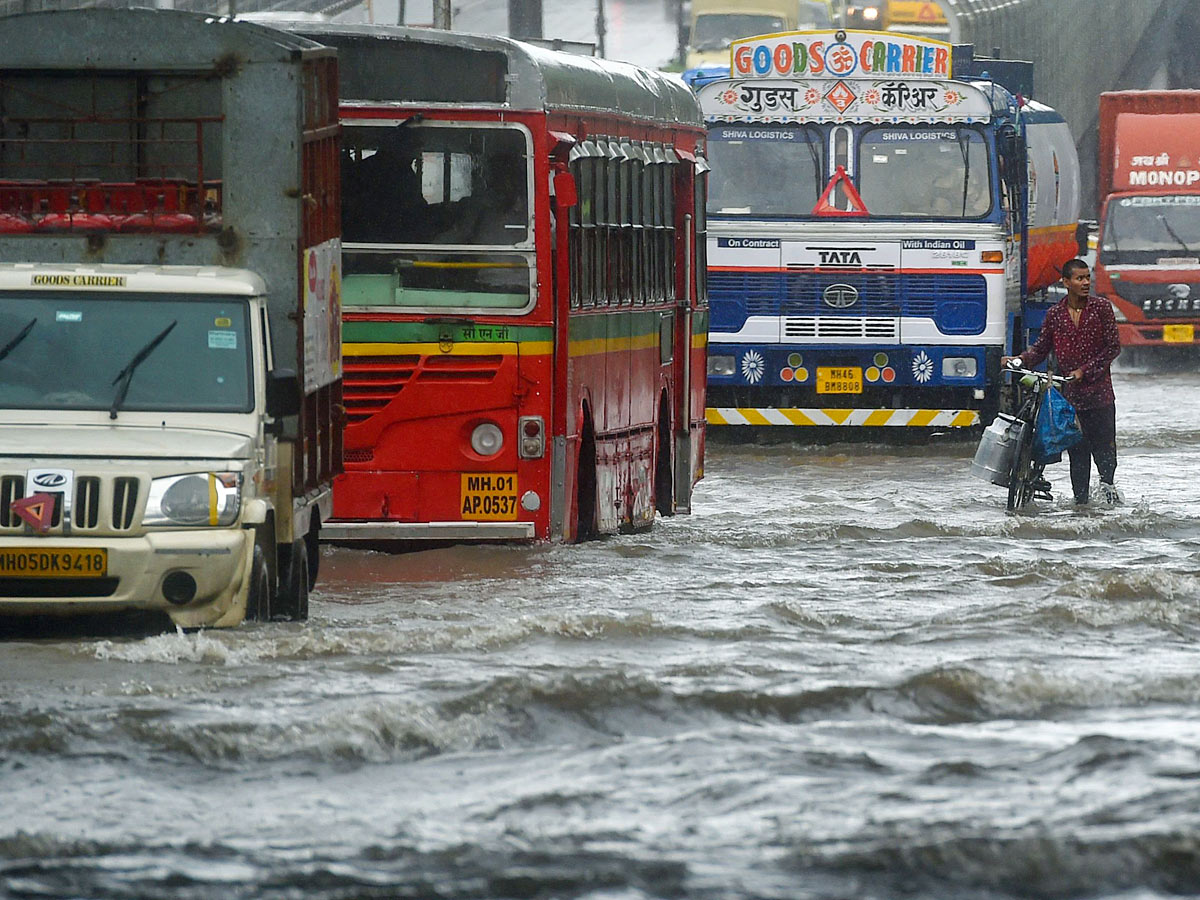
x=1020 y=476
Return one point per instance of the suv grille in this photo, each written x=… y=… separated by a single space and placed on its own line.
x=99 y=506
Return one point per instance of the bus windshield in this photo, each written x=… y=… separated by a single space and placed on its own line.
x=716 y=31
x=764 y=170
x=434 y=184
x=1145 y=229
x=450 y=198
x=68 y=351
x=939 y=172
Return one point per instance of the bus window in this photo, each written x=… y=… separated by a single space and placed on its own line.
x=927 y=172
x=763 y=170
x=433 y=184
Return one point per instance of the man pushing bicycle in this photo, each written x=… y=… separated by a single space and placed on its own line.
x=1081 y=330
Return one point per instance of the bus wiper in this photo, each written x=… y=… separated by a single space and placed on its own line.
x=20 y=336
x=126 y=374
x=1166 y=223
x=964 y=147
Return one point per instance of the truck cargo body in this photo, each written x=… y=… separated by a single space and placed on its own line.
x=1148 y=248
x=169 y=356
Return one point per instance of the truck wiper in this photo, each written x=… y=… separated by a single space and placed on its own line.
x=816 y=158
x=126 y=374
x=20 y=336
x=964 y=147
x=1166 y=223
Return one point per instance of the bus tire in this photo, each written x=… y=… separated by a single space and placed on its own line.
x=585 y=492
x=293 y=583
x=664 y=474
x=258 y=600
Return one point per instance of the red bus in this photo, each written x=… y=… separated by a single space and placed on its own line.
x=524 y=316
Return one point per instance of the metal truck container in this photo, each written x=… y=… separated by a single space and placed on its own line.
x=170 y=365
x=1148 y=248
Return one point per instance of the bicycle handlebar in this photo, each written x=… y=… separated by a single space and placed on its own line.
x=1040 y=376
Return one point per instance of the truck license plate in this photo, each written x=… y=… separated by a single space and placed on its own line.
x=1179 y=334
x=489 y=496
x=839 y=380
x=53 y=562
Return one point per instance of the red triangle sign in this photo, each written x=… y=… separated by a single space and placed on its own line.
x=825 y=208
x=36 y=509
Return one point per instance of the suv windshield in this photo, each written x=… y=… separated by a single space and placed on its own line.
x=763 y=170
x=75 y=348
x=925 y=172
x=1146 y=229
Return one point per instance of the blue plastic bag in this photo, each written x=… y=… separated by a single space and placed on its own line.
x=1057 y=428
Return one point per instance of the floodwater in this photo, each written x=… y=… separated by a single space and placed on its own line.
x=849 y=674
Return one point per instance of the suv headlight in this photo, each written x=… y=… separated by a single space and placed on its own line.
x=203 y=498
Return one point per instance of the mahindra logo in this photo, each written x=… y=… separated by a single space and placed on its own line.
x=50 y=479
x=840 y=296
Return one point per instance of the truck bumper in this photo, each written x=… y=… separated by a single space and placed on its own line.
x=218 y=561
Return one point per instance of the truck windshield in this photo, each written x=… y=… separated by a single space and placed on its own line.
x=764 y=170
x=1146 y=229
x=716 y=31
x=75 y=348
x=925 y=172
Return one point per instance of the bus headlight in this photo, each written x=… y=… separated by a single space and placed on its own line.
x=487 y=439
x=959 y=367
x=721 y=365
x=205 y=498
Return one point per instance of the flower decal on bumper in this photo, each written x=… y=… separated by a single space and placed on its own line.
x=753 y=366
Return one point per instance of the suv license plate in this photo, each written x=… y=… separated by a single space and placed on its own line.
x=53 y=562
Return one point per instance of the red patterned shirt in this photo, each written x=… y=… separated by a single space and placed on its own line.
x=1091 y=345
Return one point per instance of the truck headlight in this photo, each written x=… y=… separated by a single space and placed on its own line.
x=959 y=367
x=203 y=498
x=721 y=365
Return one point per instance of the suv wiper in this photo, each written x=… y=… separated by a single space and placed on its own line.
x=126 y=374
x=20 y=336
x=1166 y=223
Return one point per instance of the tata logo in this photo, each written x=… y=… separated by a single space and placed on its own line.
x=840 y=258
x=50 y=479
x=840 y=296
x=1179 y=291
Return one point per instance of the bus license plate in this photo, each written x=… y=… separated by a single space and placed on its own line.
x=489 y=496
x=52 y=562
x=839 y=380
x=1179 y=334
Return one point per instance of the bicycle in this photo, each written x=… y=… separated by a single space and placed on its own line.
x=1005 y=455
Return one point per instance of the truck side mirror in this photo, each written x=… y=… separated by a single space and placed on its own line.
x=283 y=393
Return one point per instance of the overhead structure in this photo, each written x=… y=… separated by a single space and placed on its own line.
x=1081 y=48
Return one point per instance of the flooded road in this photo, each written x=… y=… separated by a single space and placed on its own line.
x=848 y=674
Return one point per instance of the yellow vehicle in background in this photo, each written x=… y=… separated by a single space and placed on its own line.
x=716 y=24
x=922 y=17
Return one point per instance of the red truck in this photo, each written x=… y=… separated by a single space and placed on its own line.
x=1148 y=249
